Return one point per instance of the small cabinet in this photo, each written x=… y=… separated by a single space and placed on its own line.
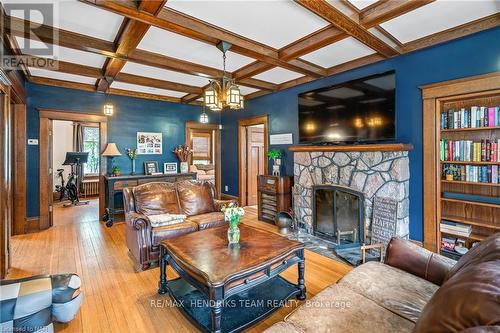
x=274 y=196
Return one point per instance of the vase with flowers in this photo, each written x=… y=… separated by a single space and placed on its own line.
x=182 y=152
x=132 y=154
x=232 y=215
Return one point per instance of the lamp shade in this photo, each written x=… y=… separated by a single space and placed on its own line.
x=111 y=150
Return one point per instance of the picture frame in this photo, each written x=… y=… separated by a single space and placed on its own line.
x=150 y=167
x=149 y=143
x=169 y=168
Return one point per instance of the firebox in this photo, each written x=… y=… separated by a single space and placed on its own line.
x=338 y=214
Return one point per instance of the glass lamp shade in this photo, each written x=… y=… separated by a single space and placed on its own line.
x=233 y=95
x=204 y=118
x=210 y=97
x=108 y=109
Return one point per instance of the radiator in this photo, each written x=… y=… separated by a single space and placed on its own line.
x=90 y=187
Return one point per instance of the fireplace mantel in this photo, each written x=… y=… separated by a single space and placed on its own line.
x=352 y=148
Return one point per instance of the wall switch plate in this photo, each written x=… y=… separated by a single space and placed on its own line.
x=226 y=188
x=33 y=142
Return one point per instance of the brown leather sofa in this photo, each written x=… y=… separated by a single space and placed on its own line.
x=415 y=290
x=196 y=199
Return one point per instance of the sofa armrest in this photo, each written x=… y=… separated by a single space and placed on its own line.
x=220 y=203
x=137 y=221
x=416 y=260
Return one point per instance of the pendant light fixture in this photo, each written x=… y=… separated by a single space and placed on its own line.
x=108 y=108
x=225 y=92
x=204 y=117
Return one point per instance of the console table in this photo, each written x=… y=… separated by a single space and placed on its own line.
x=116 y=184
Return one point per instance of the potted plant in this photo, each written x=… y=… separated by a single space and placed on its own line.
x=132 y=154
x=116 y=171
x=275 y=155
x=451 y=171
x=182 y=152
x=233 y=214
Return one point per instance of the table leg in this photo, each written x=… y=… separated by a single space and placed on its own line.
x=162 y=284
x=216 y=313
x=301 y=281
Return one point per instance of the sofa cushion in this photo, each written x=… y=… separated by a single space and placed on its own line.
x=195 y=197
x=208 y=220
x=470 y=297
x=156 y=198
x=171 y=231
x=340 y=309
x=397 y=291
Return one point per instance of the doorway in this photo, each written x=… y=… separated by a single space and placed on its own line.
x=204 y=140
x=252 y=151
x=85 y=133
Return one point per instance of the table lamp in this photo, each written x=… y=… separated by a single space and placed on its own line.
x=111 y=151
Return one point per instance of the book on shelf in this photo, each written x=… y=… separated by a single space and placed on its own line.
x=473 y=117
x=455 y=228
x=472 y=173
x=486 y=150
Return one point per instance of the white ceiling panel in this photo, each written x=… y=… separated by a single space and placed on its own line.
x=274 y=23
x=338 y=53
x=63 y=53
x=148 y=90
x=247 y=90
x=163 y=74
x=278 y=75
x=438 y=16
x=184 y=48
x=361 y=4
x=61 y=76
x=75 y=16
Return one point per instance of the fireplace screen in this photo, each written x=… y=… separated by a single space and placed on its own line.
x=338 y=214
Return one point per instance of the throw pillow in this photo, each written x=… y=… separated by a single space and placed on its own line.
x=161 y=220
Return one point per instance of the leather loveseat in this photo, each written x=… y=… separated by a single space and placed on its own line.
x=414 y=291
x=195 y=199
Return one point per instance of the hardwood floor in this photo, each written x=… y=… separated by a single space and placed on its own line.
x=116 y=298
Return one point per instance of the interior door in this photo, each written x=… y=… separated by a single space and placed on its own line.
x=255 y=161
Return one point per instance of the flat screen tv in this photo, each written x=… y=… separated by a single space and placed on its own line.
x=358 y=111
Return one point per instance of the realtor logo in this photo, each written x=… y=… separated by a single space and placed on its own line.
x=36 y=41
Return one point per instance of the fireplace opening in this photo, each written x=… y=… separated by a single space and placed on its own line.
x=338 y=214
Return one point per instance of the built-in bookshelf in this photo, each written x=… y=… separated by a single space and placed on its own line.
x=469 y=165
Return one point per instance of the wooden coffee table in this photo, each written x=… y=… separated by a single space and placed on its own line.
x=226 y=289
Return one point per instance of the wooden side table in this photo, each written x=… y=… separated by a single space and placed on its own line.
x=274 y=195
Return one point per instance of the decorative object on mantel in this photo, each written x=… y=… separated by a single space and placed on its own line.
x=223 y=93
x=132 y=154
x=150 y=167
x=169 y=168
x=275 y=155
x=204 y=116
x=149 y=143
x=183 y=152
x=233 y=214
x=111 y=151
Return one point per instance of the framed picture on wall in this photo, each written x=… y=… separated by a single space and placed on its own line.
x=169 y=168
x=150 y=167
x=149 y=143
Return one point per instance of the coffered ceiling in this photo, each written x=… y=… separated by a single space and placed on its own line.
x=166 y=50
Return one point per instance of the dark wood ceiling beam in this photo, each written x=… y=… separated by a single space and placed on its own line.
x=383 y=11
x=61 y=83
x=127 y=40
x=61 y=66
x=189 y=98
x=252 y=69
x=258 y=84
x=344 y=23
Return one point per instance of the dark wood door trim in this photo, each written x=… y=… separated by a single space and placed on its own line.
x=192 y=125
x=46 y=117
x=19 y=176
x=242 y=151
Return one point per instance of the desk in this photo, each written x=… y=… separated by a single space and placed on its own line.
x=116 y=184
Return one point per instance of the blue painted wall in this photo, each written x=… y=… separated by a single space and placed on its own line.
x=472 y=55
x=132 y=115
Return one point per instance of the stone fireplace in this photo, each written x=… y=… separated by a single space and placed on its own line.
x=369 y=174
